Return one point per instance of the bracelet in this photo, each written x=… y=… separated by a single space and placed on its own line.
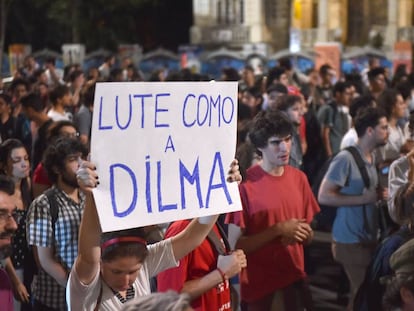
x=223 y=275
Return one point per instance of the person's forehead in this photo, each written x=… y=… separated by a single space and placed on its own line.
x=21 y=87
x=382 y=121
x=18 y=151
x=126 y=263
x=6 y=202
x=67 y=129
x=278 y=137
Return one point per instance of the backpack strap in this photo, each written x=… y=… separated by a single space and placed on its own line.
x=364 y=173
x=360 y=163
x=215 y=240
x=53 y=208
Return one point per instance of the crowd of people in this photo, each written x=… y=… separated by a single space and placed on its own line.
x=309 y=145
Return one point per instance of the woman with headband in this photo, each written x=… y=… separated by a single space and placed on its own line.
x=114 y=267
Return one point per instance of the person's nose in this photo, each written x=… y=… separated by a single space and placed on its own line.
x=283 y=146
x=125 y=280
x=11 y=224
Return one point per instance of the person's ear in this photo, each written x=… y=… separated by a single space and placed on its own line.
x=407 y=296
x=370 y=130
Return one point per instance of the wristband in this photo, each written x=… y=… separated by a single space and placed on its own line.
x=223 y=275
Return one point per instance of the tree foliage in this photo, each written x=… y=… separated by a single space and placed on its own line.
x=95 y=23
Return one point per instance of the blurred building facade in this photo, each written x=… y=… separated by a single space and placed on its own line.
x=236 y=23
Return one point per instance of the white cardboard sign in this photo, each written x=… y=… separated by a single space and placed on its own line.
x=163 y=150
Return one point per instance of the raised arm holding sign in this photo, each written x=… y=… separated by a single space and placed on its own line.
x=120 y=264
x=165 y=163
x=161 y=150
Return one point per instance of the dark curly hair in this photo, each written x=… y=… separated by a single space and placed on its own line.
x=56 y=153
x=267 y=124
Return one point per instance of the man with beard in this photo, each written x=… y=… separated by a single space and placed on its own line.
x=355 y=226
x=55 y=241
x=8 y=226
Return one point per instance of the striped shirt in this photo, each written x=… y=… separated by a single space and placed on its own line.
x=64 y=241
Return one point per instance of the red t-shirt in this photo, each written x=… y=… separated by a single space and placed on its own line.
x=195 y=265
x=267 y=200
x=40 y=175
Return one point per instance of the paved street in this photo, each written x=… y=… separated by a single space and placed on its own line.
x=324 y=275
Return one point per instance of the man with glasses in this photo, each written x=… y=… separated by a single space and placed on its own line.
x=8 y=225
x=278 y=206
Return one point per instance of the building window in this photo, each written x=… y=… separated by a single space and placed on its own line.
x=202 y=7
x=219 y=13
x=241 y=12
x=271 y=12
x=315 y=13
x=228 y=12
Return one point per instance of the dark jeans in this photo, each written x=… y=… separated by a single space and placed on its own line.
x=295 y=297
x=38 y=306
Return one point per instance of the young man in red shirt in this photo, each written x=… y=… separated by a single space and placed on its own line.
x=278 y=206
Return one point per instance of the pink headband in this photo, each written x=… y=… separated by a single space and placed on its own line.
x=123 y=239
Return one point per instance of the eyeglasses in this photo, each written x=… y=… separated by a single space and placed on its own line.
x=6 y=216
x=70 y=135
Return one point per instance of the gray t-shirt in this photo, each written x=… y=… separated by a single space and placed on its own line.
x=84 y=297
x=337 y=120
x=353 y=224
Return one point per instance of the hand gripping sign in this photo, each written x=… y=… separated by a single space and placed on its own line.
x=163 y=151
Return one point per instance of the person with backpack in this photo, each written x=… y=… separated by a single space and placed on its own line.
x=373 y=285
x=400 y=200
x=351 y=185
x=53 y=231
x=334 y=118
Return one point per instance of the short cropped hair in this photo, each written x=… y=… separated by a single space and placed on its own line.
x=57 y=93
x=373 y=73
x=359 y=103
x=284 y=102
x=340 y=87
x=32 y=100
x=368 y=117
x=324 y=69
